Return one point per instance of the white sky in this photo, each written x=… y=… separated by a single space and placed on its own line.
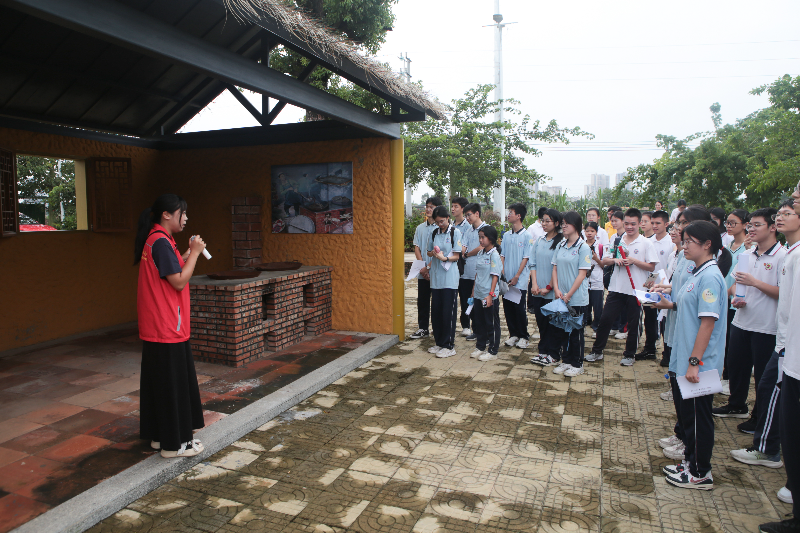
x=622 y=70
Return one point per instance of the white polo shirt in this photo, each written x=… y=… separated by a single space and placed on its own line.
x=791 y=362
x=786 y=281
x=536 y=230
x=663 y=250
x=759 y=315
x=602 y=236
x=640 y=249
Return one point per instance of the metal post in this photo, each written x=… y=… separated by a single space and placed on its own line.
x=409 y=201
x=499 y=192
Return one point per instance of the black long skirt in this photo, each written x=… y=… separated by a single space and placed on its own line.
x=169 y=404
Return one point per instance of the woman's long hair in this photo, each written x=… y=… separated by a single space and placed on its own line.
x=556 y=217
x=721 y=216
x=166 y=202
x=491 y=233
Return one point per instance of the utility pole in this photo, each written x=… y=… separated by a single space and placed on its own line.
x=499 y=192
x=405 y=73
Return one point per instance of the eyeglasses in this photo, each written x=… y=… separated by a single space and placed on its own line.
x=755 y=225
x=731 y=223
x=692 y=241
x=785 y=214
x=679 y=224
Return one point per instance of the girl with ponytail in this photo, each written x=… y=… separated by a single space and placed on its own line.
x=170 y=407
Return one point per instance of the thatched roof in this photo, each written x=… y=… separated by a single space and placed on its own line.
x=336 y=48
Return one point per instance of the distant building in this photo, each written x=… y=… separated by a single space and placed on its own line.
x=555 y=190
x=596 y=183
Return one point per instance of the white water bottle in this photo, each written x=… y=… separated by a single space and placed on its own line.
x=205 y=252
x=742 y=265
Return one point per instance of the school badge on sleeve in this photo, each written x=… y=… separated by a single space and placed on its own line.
x=709 y=296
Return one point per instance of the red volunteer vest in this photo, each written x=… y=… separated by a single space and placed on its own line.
x=163 y=311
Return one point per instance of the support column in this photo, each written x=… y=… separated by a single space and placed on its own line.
x=398 y=234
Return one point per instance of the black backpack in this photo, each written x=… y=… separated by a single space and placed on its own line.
x=608 y=271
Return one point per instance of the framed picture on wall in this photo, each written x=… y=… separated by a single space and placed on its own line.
x=314 y=198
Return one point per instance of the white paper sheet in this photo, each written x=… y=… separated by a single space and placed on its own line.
x=780 y=369
x=416 y=266
x=469 y=309
x=446 y=265
x=709 y=384
x=662 y=276
x=513 y=294
x=742 y=265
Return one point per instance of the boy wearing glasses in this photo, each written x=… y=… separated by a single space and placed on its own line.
x=469 y=250
x=753 y=329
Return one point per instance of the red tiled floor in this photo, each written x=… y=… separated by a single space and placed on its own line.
x=8 y=456
x=20 y=473
x=86 y=392
x=74 y=449
x=120 y=406
x=52 y=413
x=37 y=440
x=84 y=422
x=15 y=510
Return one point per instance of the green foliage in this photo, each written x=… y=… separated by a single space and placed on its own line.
x=461 y=154
x=363 y=22
x=54 y=179
x=751 y=163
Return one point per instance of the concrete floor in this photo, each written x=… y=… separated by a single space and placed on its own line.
x=410 y=442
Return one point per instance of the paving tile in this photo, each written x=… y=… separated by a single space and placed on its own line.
x=380 y=518
x=119 y=430
x=73 y=449
x=8 y=455
x=19 y=473
x=53 y=412
x=37 y=440
x=91 y=397
x=122 y=405
x=14 y=427
x=84 y=421
x=15 y=510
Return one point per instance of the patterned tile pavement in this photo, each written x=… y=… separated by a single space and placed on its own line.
x=409 y=442
x=69 y=412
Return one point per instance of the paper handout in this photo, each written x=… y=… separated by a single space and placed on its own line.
x=513 y=294
x=416 y=266
x=709 y=384
x=469 y=309
x=446 y=265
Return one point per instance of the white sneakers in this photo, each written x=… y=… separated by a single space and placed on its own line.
x=574 y=371
x=487 y=357
x=187 y=449
x=476 y=352
x=669 y=442
x=621 y=336
x=535 y=336
x=563 y=367
x=445 y=352
x=785 y=495
x=434 y=349
x=522 y=343
x=512 y=341
x=466 y=332
x=677 y=452
x=666 y=396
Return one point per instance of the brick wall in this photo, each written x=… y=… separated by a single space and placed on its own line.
x=246 y=228
x=234 y=324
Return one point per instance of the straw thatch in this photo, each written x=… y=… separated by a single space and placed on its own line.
x=333 y=46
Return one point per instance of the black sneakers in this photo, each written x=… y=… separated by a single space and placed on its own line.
x=419 y=334
x=791 y=525
x=664 y=362
x=645 y=355
x=748 y=426
x=726 y=411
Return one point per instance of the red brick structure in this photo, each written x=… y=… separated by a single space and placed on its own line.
x=246 y=227
x=234 y=322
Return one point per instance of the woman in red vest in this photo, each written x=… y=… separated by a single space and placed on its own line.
x=170 y=407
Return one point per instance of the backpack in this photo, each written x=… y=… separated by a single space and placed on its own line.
x=609 y=270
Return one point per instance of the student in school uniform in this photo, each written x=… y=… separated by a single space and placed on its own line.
x=662 y=244
x=738 y=243
x=170 y=407
x=485 y=303
x=609 y=227
x=593 y=215
x=790 y=395
x=699 y=346
x=536 y=230
x=640 y=259
x=766 y=450
x=444 y=282
x=470 y=247
x=421 y=236
x=753 y=328
x=571 y=264
x=719 y=217
x=596 y=289
x=517 y=249
x=461 y=223
x=646 y=226
x=541 y=277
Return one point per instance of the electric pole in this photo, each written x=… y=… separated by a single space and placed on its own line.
x=405 y=73
x=499 y=192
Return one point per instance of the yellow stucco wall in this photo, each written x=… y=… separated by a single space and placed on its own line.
x=58 y=284
x=362 y=285
x=55 y=284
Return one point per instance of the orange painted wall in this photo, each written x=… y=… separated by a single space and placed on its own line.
x=362 y=290
x=54 y=284
x=59 y=284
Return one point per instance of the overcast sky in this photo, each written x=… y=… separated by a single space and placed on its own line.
x=622 y=70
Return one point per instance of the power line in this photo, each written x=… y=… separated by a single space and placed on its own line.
x=549 y=80
x=459 y=66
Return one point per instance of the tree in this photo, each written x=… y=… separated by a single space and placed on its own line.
x=461 y=154
x=53 y=179
x=750 y=163
x=364 y=23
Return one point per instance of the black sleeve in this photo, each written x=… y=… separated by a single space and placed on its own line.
x=165 y=259
x=725 y=261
